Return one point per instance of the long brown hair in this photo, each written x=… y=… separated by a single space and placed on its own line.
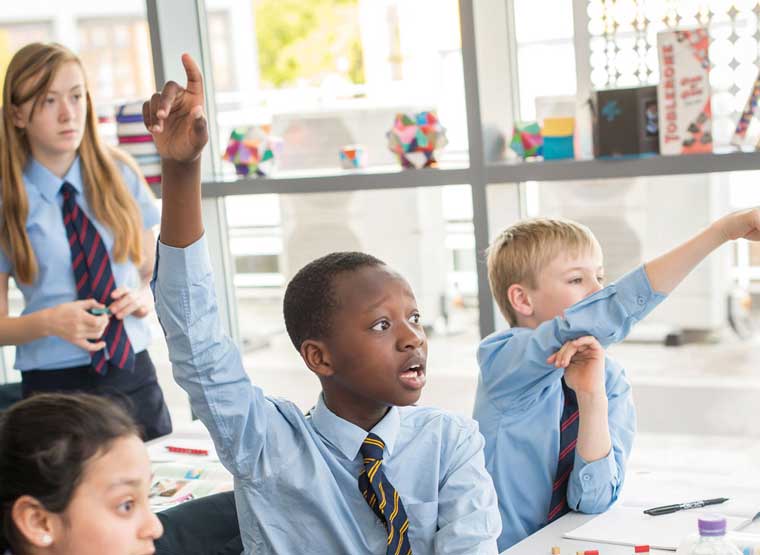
x=28 y=78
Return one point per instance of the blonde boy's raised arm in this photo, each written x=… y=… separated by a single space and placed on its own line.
x=667 y=271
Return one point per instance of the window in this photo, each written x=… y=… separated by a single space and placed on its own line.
x=329 y=73
x=15 y=35
x=116 y=56
x=222 y=59
x=624 y=48
x=545 y=51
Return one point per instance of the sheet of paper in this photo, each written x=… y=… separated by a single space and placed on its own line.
x=623 y=525
x=626 y=524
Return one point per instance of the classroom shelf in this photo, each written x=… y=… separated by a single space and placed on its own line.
x=392 y=177
x=333 y=180
x=568 y=170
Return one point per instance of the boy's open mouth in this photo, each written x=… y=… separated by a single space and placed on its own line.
x=413 y=375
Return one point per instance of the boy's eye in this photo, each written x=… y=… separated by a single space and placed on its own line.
x=49 y=100
x=415 y=318
x=382 y=325
x=576 y=281
x=77 y=96
x=600 y=279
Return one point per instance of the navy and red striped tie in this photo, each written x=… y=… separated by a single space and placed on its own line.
x=94 y=280
x=568 y=437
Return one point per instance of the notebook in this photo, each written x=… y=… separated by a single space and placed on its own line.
x=626 y=524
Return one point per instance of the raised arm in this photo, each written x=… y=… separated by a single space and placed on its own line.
x=667 y=271
x=514 y=364
x=175 y=118
x=205 y=361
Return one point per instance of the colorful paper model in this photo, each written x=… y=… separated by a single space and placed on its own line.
x=353 y=157
x=558 y=138
x=253 y=150
x=748 y=114
x=526 y=139
x=414 y=138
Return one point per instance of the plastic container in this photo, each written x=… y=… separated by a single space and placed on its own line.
x=748 y=544
x=711 y=539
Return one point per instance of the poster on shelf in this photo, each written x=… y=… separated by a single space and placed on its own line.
x=684 y=92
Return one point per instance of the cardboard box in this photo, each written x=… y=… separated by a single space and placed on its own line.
x=684 y=92
x=625 y=122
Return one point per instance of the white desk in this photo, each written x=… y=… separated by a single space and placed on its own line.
x=541 y=542
x=651 y=489
x=179 y=477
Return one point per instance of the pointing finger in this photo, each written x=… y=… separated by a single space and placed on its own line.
x=194 y=76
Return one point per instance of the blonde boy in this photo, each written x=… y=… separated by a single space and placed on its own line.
x=557 y=415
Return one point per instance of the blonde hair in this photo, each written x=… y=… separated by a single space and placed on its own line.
x=521 y=251
x=35 y=66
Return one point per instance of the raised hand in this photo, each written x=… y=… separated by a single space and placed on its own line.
x=175 y=117
x=744 y=224
x=583 y=361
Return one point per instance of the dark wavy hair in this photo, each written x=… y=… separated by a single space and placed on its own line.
x=45 y=443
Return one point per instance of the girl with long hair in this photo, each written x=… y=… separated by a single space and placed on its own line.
x=75 y=234
x=74 y=479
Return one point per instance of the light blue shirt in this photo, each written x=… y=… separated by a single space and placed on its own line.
x=296 y=476
x=55 y=279
x=519 y=402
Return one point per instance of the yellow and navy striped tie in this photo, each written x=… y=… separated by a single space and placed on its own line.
x=383 y=498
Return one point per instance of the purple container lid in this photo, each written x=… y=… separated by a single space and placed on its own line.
x=712 y=525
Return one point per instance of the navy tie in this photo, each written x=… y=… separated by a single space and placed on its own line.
x=94 y=279
x=383 y=498
x=568 y=437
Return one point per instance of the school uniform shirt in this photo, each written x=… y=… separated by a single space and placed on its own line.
x=296 y=475
x=518 y=404
x=55 y=279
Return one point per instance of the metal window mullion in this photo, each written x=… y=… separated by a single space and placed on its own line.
x=178 y=26
x=478 y=182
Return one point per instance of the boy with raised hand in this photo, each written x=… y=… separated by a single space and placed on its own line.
x=365 y=472
x=557 y=415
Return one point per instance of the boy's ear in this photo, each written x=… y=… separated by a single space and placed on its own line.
x=317 y=357
x=520 y=299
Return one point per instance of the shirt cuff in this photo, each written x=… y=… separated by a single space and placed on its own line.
x=182 y=266
x=635 y=293
x=596 y=475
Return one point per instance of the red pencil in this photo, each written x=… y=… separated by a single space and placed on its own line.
x=186 y=450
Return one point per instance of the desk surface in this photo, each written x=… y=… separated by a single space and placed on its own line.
x=651 y=489
x=541 y=542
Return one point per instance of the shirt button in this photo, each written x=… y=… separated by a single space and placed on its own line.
x=641 y=301
x=587 y=477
